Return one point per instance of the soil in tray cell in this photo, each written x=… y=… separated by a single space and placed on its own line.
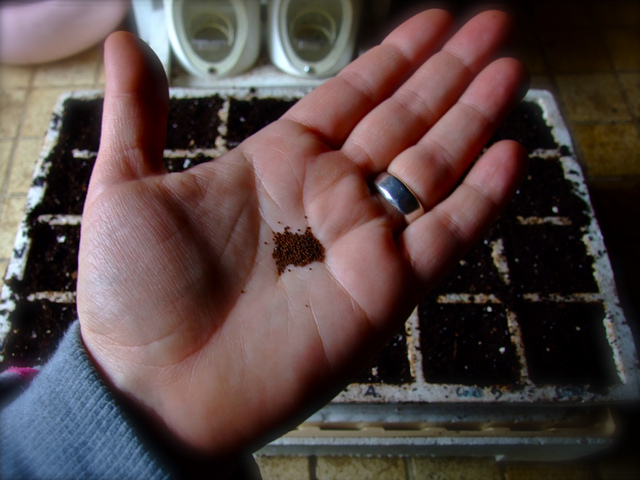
x=36 y=329
x=193 y=122
x=391 y=366
x=549 y=259
x=565 y=343
x=546 y=193
x=66 y=185
x=80 y=124
x=246 y=117
x=476 y=273
x=467 y=344
x=526 y=125
x=52 y=261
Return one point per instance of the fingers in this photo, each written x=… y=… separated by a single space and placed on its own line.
x=135 y=113
x=415 y=107
x=441 y=236
x=434 y=165
x=335 y=108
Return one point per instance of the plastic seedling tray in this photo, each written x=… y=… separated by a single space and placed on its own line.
x=520 y=352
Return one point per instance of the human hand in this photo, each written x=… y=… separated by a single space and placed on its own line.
x=180 y=301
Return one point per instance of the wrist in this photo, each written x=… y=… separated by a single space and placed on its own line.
x=128 y=388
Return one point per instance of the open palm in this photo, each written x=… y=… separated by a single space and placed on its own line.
x=181 y=303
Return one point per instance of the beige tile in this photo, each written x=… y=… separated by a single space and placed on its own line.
x=624 y=47
x=5 y=155
x=574 y=51
x=26 y=155
x=100 y=78
x=449 y=468
x=3 y=267
x=76 y=71
x=564 y=14
x=593 y=97
x=616 y=201
x=12 y=213
x=629 y=255
x=12 y=76
x=39 y=109
x=543 y=82
x=609 y=150
x=631 y=84
x=550 y=471
x=615 y=13
x=531 y=56
x=526 y=31
x=283 y=468
x=620 y=469
x=360 y=468
x=11 y=105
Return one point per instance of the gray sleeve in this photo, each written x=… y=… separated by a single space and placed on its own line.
x=67 y=424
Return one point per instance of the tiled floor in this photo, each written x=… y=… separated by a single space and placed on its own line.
x=586 y=52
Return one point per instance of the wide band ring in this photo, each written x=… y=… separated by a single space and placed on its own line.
x=398 y=195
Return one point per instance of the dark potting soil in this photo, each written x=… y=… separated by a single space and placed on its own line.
x=66 y=185
x=52 y=260
x=36 y=330
x=80 y=125
x=476 y=273
x=526 y=125
x=545 y=192
x=193 y=122
x=391 y=366
x=246 y=117
x=566 y=344
x=553 y=259
x=468 y=344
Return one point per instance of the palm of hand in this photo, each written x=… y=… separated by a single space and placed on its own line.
x=180 y=300
x=189 y=259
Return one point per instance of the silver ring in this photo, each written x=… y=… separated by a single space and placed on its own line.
x=398 y=194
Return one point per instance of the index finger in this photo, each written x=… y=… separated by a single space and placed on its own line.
x=333 y=109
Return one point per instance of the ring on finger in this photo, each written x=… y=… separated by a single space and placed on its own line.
x=398 y=195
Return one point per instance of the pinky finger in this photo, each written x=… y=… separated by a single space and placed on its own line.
x=436 y=241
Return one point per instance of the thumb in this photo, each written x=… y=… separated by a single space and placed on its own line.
x=134 y=120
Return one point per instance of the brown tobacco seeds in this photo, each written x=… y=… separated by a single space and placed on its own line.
x=297 y=249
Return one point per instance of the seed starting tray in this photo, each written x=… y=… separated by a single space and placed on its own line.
x=519 y=351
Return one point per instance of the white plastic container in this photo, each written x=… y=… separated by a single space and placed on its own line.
x=214 y=37
x=314 y=38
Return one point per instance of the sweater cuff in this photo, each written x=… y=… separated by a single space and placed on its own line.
x=68 y=424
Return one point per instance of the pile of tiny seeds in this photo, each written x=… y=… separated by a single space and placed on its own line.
x=297 y=249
